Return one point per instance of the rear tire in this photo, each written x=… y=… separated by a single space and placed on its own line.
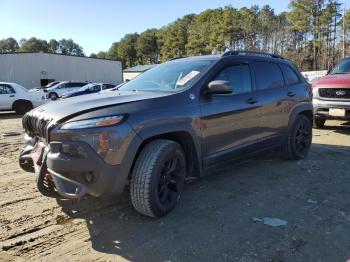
x=319 y=122
x=299 y=139
x=53 y=96
x=22 y=107
x=158 y=178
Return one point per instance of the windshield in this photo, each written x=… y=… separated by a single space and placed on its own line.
x=342 y=68
x=169 y=77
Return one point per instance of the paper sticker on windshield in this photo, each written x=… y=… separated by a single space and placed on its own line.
x=187 y=78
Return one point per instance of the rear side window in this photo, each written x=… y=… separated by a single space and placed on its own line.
x=290 y=76
x=268 y=75
x=239 y=77
x=6 y=89
x=107 y=86
x=63 y=86
x=75 y=84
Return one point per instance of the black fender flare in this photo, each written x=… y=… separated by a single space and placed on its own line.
x=306 y=107
x=164 y=129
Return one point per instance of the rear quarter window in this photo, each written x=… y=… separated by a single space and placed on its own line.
x=107 y=86
x=290 y=75
x=268 y=75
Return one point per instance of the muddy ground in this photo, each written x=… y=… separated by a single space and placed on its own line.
x=215 y=220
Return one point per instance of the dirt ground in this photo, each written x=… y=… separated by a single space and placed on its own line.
x=216 y=219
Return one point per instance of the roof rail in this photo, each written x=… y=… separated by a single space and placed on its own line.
x=252 y=53
x=175 y=58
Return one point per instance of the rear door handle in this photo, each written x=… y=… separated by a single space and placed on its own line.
x=291 y=94
x=12 y=95
x=251 y=101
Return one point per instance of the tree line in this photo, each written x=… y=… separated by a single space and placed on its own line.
x=63 y=46
x=312 y=33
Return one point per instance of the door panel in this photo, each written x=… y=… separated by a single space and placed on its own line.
x=275 y=108
x=295 y=90
x=230 y=121
x=271 y=93
x=7 y=96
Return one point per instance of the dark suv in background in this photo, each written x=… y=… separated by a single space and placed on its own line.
x=182 y=119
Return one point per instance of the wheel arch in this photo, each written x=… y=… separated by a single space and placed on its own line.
x=304 y=109
x=21 y=101
x=187 y=141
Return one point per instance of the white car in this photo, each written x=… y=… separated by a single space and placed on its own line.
x=89 y=89
x=16 y=97
x=61 y=88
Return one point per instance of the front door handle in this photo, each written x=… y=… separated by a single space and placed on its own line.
x=291 y=94
x=251 y=101
x=12 y=95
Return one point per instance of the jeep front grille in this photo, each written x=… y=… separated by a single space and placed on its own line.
x=334 y=93
x=36 y=125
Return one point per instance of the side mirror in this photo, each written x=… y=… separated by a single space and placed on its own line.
x=219 y=87
x=329 y=71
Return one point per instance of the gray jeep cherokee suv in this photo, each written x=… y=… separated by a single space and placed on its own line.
x=178 y=120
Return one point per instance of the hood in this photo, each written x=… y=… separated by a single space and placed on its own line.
x=340 y=80
x=57 y=110
x=36 y=89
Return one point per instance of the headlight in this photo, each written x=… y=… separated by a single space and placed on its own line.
x=94 y=122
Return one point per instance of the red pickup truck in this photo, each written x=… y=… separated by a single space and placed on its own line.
x=331 y=95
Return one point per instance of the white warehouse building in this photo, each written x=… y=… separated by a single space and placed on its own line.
x=38 y=69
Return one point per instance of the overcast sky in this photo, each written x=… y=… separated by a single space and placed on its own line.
x=96 y=24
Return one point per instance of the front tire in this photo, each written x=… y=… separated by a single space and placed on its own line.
x=53 y=96
x=299 y=139
x=158 y=178
x=319 y=122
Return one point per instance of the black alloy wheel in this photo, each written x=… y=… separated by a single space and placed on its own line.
x=158 y=178
x=170 y=182
x=303 y=138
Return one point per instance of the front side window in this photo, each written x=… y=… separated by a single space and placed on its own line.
x=95 y=88
x=290 y=76
x=78 y=84
x=238 y=76
x=172 y=76
x=6 y=89
x=268 y=75
x=73 y=84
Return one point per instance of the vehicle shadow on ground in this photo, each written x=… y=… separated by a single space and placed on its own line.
x=343 y=128
x=9 y=115
x=213 y=220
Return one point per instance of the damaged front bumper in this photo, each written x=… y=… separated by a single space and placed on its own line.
x=71 y=169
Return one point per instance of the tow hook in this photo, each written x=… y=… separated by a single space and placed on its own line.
x=44 y=180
